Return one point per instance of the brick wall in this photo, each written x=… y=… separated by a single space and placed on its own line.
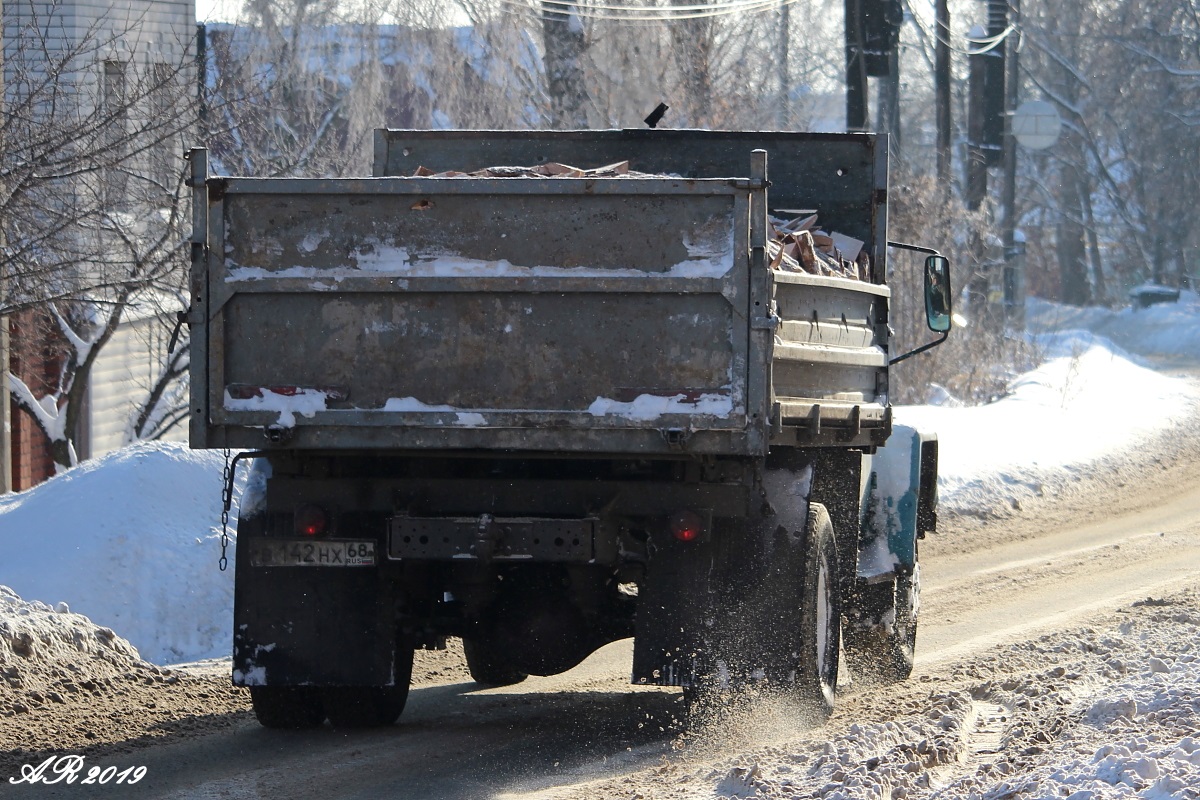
x=35 y=356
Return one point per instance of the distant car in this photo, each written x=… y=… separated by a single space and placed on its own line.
x=1149 y=294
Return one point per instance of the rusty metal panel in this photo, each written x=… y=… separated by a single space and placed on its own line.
x=198 y=304
x=605 y=315
x=425 y=227
x=483 y=351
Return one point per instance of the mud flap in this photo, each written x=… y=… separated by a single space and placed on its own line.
x=725 y=611
x=757 y=636
x=880 y=636
x=676 y=604
x=319 y=626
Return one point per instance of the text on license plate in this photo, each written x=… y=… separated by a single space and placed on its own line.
x=307 y=553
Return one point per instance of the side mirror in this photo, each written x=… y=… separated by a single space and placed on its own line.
x=937 y=296
x=937 y=293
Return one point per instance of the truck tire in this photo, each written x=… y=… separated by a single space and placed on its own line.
x=487 y=666
x=885 y=654
x=287 y=707
x=820 y=616
x=371 y=706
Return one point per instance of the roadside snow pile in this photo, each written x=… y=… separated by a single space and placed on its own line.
x=1089 y=402
x=1145 y=723
x=1165 y=329
x=130 y=539
x=42 y=648
x=68 y=685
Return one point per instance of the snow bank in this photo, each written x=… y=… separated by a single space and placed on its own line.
x=1088 y=401
x=130 y=539
x=1165 y=329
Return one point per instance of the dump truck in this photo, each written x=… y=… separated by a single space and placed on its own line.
x=545 y=413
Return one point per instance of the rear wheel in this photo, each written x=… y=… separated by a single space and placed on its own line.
x=371 y=706
x=488 y=666
x=820 y=615
x=289 y=707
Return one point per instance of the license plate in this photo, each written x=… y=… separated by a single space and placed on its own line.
x=309 y=553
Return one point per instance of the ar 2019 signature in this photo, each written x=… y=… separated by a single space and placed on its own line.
x=70 y=769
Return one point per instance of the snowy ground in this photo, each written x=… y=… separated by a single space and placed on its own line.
x=1102 y=713
x=132 y=540
x=1162 y=331
x=1056 y=422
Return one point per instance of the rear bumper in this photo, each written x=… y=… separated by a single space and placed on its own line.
x=493 y=538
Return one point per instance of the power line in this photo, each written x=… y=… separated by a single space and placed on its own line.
x=583 y=5
x=651 y=13
x=991 y=41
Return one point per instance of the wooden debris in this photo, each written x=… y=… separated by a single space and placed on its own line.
x=547 y=170
x=796 y=246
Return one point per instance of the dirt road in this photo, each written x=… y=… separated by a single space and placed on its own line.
x=988 y=589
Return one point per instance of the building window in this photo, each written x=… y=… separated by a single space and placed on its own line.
x=115 y=124
x=164 y=165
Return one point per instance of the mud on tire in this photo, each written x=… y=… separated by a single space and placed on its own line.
x=487 y=666
x=287 y=707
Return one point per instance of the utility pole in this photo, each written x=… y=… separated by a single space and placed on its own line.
x=976 y=166
x=856 y=69
x=1014 y=251
x=941 y=77
x=889 y=101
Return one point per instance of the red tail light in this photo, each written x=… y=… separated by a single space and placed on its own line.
x=311 y=521
x=687 y=526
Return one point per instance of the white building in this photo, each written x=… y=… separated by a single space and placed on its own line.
x=129 y=66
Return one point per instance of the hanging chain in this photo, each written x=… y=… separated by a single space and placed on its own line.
x=226 y=502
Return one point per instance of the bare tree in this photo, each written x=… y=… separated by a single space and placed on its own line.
x=565 y=38
x=167 y=402
x=91 y=194
x=1117 y=187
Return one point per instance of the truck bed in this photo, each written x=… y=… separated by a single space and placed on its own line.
x=630 y=315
